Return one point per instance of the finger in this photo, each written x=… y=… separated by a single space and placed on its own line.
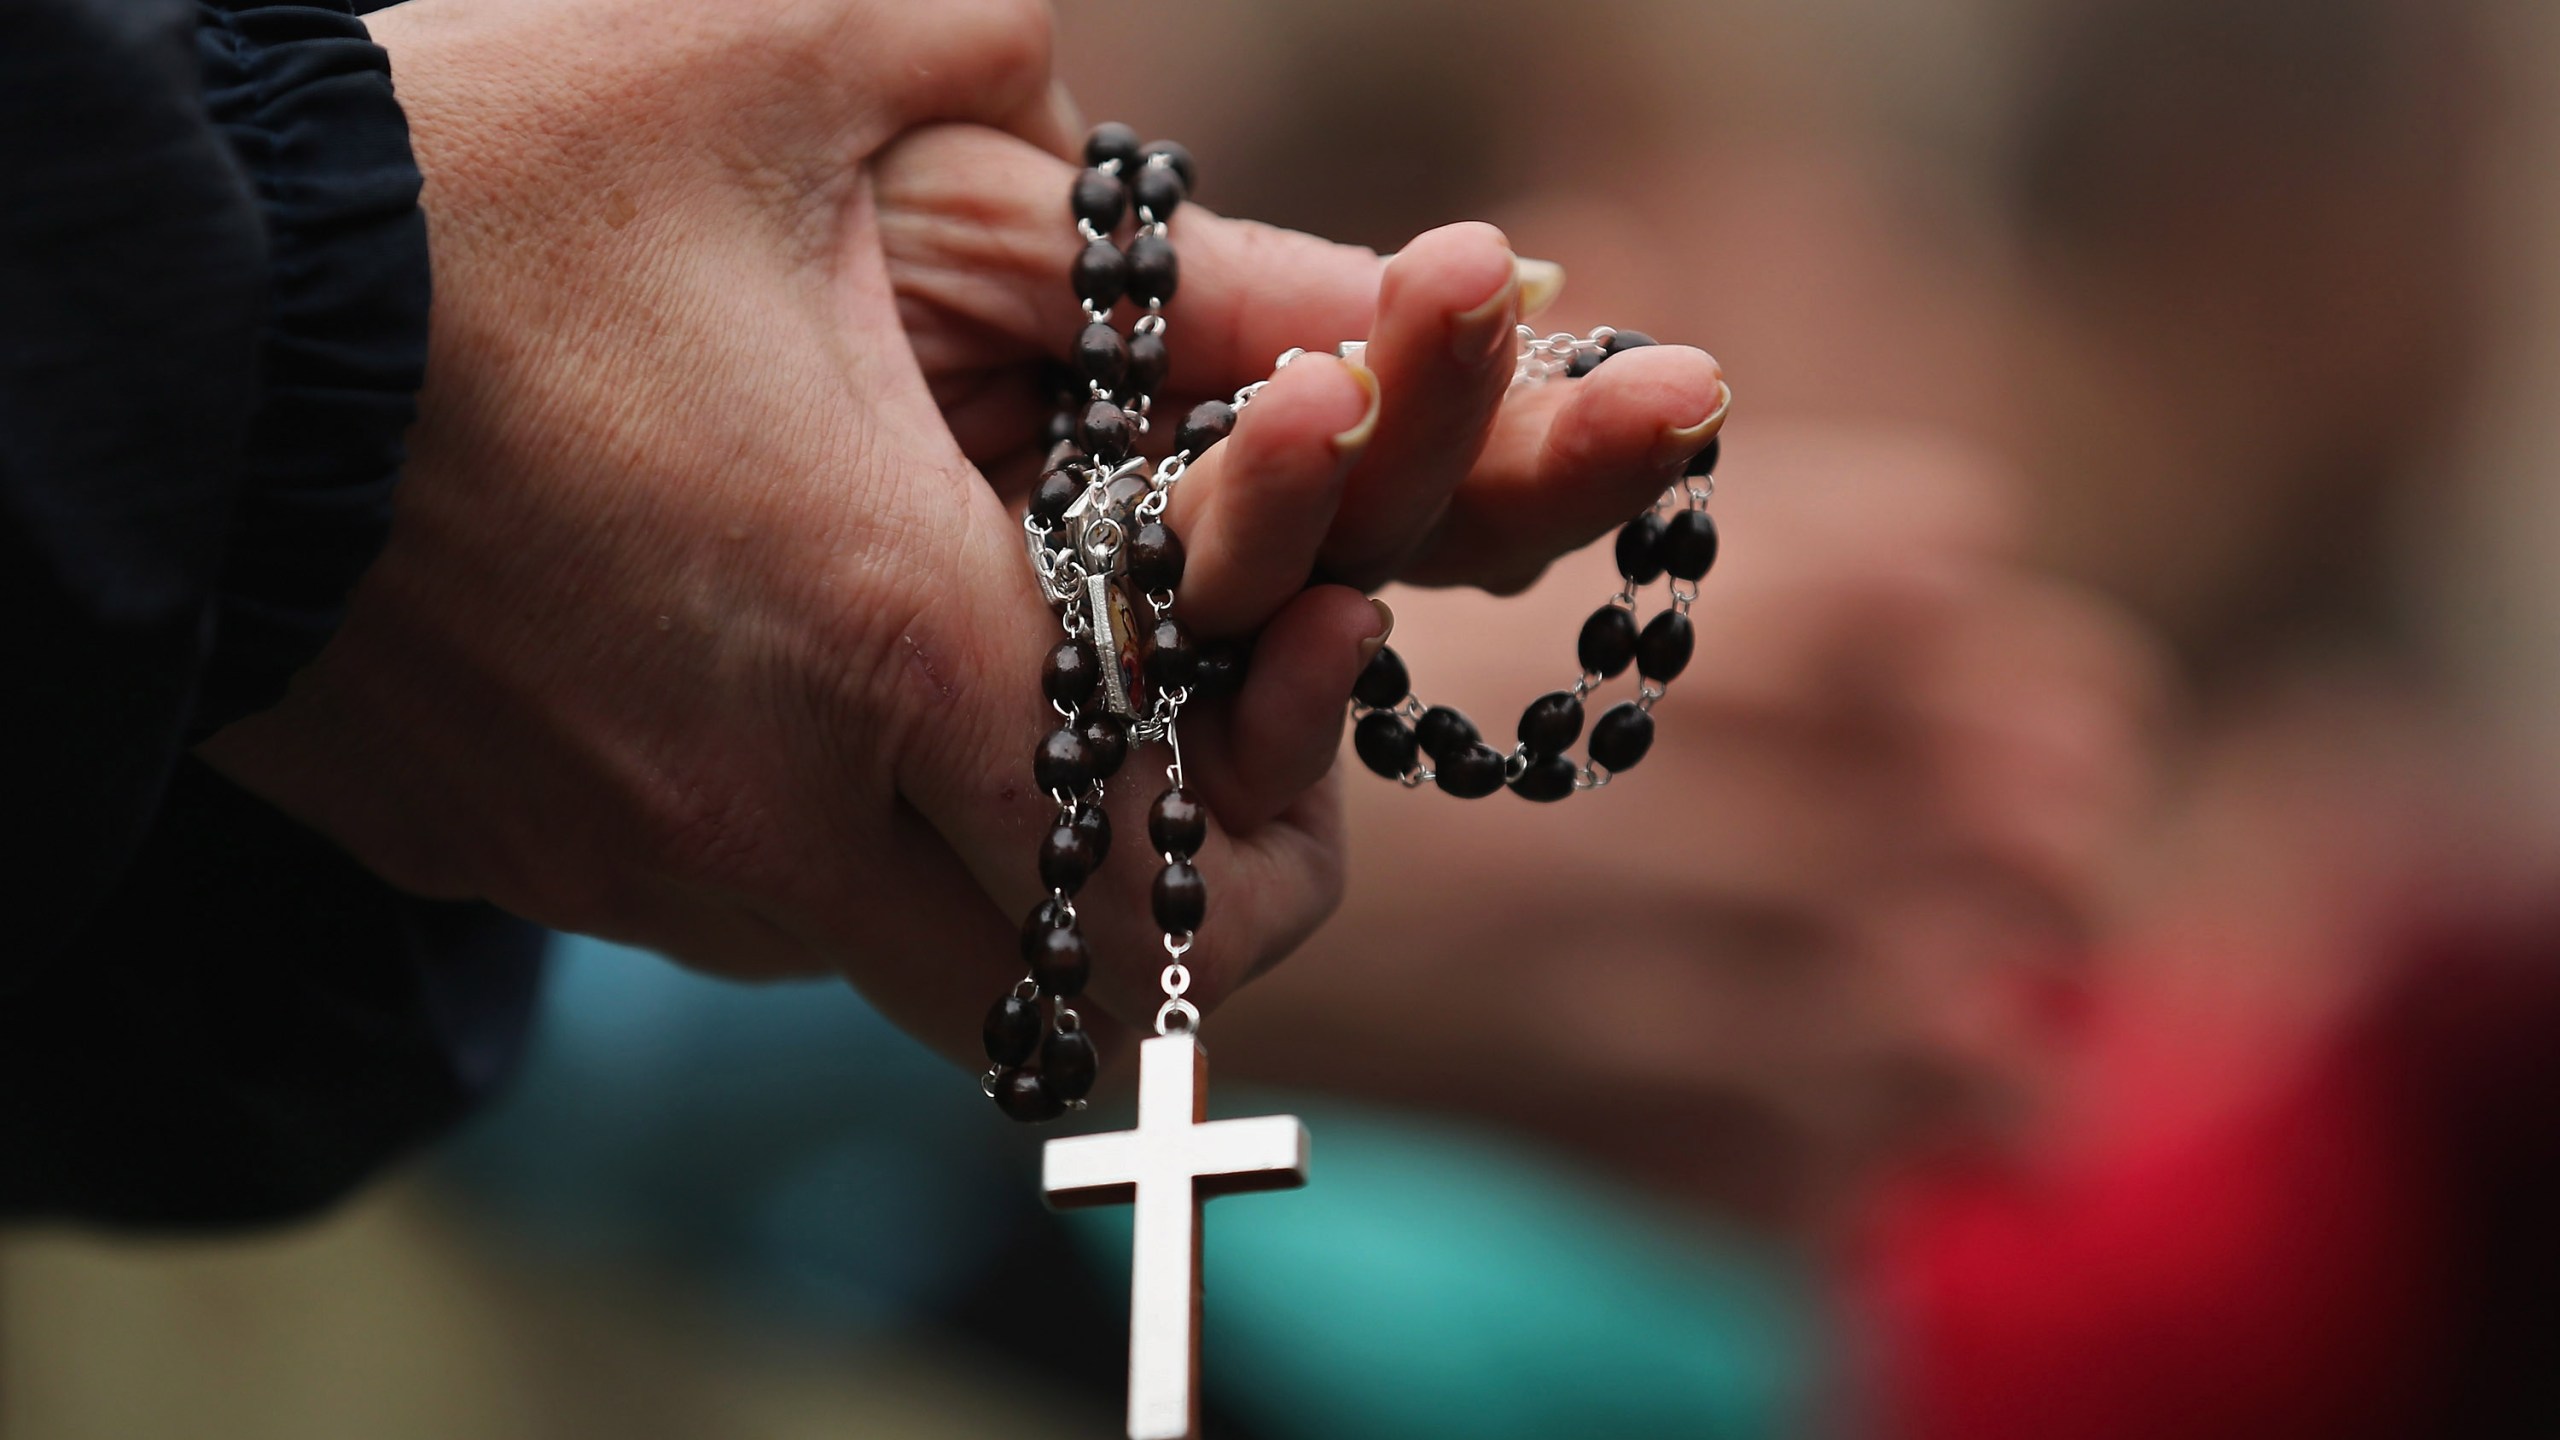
x=1288 y=718
x=976 y=225
x=1254 y=510
x=1572 y=460
x=1443 y=348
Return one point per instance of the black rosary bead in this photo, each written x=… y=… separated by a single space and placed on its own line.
x=1444 y=732
x=1385 y=743
x=1383 y=682
x=1471 y=773
x=1639 y=545
x=1067 y=1064
x=1584 y=362
x=1176 y=157
x=1056 y=490
x=1101 y=355
x=1012 y=1030
x=1155 y=558
x=1148 y=361
x=1547 y=779
x=1105 y=431
x=1066 y=858
x=1551 y=723
x=1063 y=764
x=1704 y=462
x=1094 y=824
x=1071 y=673
x=1098 y=199
x=1177 y=825
x=1153 y=271
x=1172 y=663
x=1219 y=671
x=1060 y=963
x=1064 y=452
x=1689 y=545
x=1621 y=737
x=1624 y=340
x=1111 y=141
x=1608 y=641
x=1100 y=274
x=1021 y=1096
x=1181 y=898
x=1209 y=422
x=1050 y=914
x=1107 y=736
x=1663 y=650
x=1157 y=191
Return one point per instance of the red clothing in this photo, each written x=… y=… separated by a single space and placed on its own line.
x=2366 y=1249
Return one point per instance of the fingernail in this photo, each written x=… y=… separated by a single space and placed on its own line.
x=1350 y=441
x=1681 y=442
x=1370 y=647
x=1540 y=281
x=1475 y=334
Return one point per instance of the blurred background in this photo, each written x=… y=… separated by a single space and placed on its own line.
x=2139 y=1022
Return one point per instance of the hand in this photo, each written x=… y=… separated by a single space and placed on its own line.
x=1891 y=801
x=697 y=628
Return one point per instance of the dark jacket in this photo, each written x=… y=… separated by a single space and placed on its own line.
x=213 y=320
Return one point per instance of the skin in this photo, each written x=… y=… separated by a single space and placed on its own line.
x=704 y=623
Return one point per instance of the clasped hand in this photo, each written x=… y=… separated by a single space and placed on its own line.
x=704 y=623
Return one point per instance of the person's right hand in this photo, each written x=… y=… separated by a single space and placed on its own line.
x=698 y=629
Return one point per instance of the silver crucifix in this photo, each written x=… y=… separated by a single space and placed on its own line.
x=1167 y=1166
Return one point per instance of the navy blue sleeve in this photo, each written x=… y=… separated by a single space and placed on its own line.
x=213 y=310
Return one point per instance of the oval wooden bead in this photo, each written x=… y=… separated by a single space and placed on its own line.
x=1704 y=462
x=1689 y=545
x=1471 y=773
x=1100 y=274
x=1546 y=780
x=1383 y=682
x=1444 y=732
x=1107 y=737
x=1209 y=422
x=1218 y=671
x=1094 y=824
x=1098 y=199
x=1177 y=825
x=1066 y=858
x=1153 y=269
x=1060 y=965
x=1663 y=650
x=1105 y=432
x=1625 y=340
x=1551 y=723
x=1064 y=762
x=1012 y=1030
x=1111 y=141
x=1056 y=490
x=1157 y=192
x=1101 y=355
x=1046 y=916
x=1637 y=544
x=1071 y=673
x=1156 y=557
x=1622 y=737
x=1068 y=1064
x=1385 y=743
x=1021 y=1096
x=1171 y=661
x=1148 y=360
x=1181 y=898
x=1608 y=641
x=1175 y=158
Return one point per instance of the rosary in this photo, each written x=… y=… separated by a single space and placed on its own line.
x=1119 y=678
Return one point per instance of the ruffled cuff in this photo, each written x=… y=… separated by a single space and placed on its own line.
x=304 y=97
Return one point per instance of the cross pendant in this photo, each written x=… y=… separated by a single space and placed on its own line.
x=1167 y=1166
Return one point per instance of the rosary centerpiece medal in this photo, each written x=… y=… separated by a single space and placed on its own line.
x=1119 y=678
